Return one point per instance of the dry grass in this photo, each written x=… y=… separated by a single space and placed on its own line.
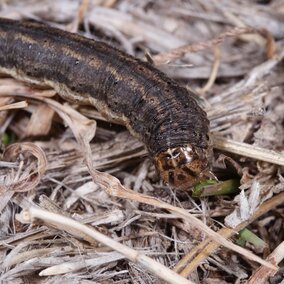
x=81 y=201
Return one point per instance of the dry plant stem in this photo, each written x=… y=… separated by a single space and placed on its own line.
x=214 y=71
x=68 y=267
x=204 y=249
x=14 y=106
x=248 y=150
x=87 y=232
x=261 y=275
x=176 y=53
x=82 y=9
x=23 y=256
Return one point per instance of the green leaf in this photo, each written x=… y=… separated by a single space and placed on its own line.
x=214 y=188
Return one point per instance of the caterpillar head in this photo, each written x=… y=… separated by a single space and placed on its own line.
x=183 y=166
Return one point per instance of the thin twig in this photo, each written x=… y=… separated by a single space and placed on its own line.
x=261 y=275
x=214 y=71
x=248 y=150
x=86 y=232
x=17 y=105
x=179 y=52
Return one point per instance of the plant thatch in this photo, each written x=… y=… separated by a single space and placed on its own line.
x=80 y=199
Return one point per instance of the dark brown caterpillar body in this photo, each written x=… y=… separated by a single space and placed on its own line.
x=158 y=111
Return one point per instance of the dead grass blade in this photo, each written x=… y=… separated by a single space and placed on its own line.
x=31 y=167
x=261 y=275
x=86 y=232
x=179 y=52
x=14 y=106
x=247 y=150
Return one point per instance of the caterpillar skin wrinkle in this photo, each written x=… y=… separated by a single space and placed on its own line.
x=154 y=108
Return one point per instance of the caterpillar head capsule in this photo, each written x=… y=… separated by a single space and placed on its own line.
x=184 y=166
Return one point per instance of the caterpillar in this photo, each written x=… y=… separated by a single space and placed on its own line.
x=155 y=109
